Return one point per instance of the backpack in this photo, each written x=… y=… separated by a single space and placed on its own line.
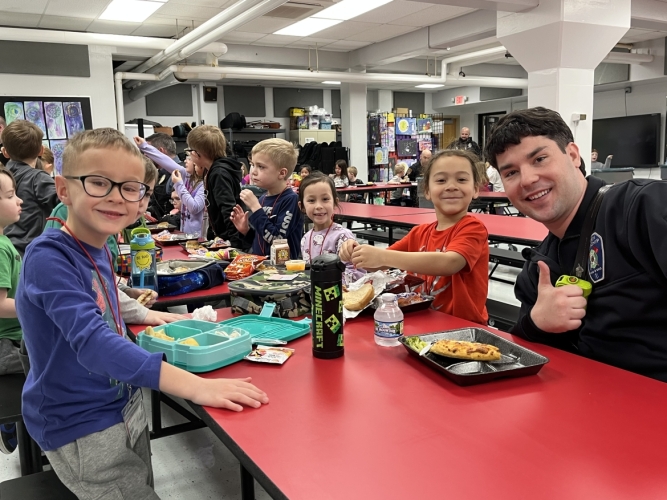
x=234 y=121
x=201 y=277
x=292 y=298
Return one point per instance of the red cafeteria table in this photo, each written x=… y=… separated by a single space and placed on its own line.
x=217 y=293
x=378 y=187
x=377 y=423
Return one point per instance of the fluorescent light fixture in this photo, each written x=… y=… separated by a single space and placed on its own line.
x=131 y=11
x=347 y=9
x=308 y=26
x=430 y=86
x=331 y=82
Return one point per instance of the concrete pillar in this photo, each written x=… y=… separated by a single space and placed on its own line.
x=560 y=43
x=385 y=100
x=353 y=121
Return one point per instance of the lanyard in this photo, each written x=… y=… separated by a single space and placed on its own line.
x=310 y=246
x=260 y=239
x=115 y=314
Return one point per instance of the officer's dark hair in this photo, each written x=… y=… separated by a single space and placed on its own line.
x=160 y=140
x=530 y=122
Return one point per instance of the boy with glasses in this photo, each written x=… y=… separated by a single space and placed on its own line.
x=81 y=399
x=22 y=143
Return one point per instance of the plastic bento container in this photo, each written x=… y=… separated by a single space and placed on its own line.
x=219 y=345
x=516 y=361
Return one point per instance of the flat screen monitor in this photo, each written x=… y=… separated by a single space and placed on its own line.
x=633 y=140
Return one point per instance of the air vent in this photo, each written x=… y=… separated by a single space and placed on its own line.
x=290 y=12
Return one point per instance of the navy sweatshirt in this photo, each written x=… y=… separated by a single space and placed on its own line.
x=79 y=365
x=283 y=220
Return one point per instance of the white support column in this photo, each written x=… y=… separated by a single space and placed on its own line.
x=560 y=43
x=385 y=100
x=353 y=121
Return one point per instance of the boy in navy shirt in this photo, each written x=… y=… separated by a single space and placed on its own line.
x=276 y=214
x=81 y=399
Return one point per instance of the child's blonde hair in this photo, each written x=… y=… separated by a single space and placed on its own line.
x=353 y=171
x=280 y=151
x=22 y=140
x=208 y=141
x=400 y=167
x=99 y=138
x=150 y=171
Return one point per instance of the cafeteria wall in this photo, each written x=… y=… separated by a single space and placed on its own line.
x=99 y=86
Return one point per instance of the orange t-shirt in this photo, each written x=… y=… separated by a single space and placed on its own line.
x=464 y=294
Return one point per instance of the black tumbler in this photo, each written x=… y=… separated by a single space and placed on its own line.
x=326 y=291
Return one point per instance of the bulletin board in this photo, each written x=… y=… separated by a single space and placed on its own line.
x=59 y=118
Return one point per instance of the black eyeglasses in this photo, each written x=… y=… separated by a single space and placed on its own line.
x=190 y=151
x=99 y=187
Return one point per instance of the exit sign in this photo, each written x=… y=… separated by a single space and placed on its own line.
x=459 y=99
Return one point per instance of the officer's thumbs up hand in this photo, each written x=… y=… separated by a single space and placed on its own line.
x=557 y=310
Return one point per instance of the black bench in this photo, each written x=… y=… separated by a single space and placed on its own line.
x=30 y=456
x=41 y=486
x=504 y=257
x=502 y=315
x=373 y=235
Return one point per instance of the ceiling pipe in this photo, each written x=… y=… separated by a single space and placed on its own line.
x=153 y=86
x=118 y=87
x=119 y=41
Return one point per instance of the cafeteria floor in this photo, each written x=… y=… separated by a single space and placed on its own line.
x=197 y=466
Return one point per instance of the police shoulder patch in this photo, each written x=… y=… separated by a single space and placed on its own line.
x=596 y=258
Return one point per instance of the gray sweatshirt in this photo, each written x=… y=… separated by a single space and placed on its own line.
x=38 y=192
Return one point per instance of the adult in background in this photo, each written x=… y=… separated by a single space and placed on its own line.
x=417 y=170
x=160 y=204
x=465 y=142
x=625 y=258
x=3 y=124
x=595 y=164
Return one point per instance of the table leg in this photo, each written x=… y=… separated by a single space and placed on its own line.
x=391 y=235
x=156 y=412
x=247 y=484
x=25 y=449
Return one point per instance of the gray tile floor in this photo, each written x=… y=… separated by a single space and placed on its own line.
x=197 y=466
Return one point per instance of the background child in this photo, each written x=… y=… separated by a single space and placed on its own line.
x=399 y=177
x=305 y=171
x=188 y=183
x=10 y=265
x=22 y=141
x=276 y=214
x=174 y=215
x=318 y=200
x=222 y=181
x=244 y=172
x=67 y=305
x=47 y=162
x=450 y=254
x=340 y=176
x=352 y=173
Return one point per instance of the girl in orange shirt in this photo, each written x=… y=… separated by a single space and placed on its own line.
x=451 y=254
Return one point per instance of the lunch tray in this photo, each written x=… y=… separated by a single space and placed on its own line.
x=175 y=241
x=464 y=372
x=215 y=351
x=154 y=229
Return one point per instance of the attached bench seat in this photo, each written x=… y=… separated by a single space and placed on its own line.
x=41 y=486
x=502 y=315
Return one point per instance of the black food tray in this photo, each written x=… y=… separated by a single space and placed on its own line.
x=179 y=239
x=154 y=229
x=464 y=372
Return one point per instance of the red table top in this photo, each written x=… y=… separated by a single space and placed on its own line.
x=377 y=423
x=378 y=186
x=493 y=195
x=364 y=210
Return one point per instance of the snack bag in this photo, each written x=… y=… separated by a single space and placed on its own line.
x=273 y=355
x=243 y=266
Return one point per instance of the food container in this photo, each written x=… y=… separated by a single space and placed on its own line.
x=295 y=265
x=516 y=360
x=153 y=228
x=279 y=252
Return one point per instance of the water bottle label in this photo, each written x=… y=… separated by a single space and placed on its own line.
x=389 y=330
x=143 y=260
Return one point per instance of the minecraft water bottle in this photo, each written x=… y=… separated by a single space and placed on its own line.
x=326 y=291
x=144 y=265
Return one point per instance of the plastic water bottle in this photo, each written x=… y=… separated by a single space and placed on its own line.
x=388 y=321
x=204 y=227
x=144 y=265
x=326 y=292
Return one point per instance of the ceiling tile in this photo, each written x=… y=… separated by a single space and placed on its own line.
x=160 y=30
x=19 y=20
x=217 y=4
x=155 y=19
x=312 y=40
x=188 y=11
x=240 y=37
x=380 y=33
x=64 y=23
x=392 y=11
x=345 y=45
x=112 y=27
x=276 y=40
x=266 y=25
x=345 y=29
x=89 y=9
x=432 y=15
x=27 y=7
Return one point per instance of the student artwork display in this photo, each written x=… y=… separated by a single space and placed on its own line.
x=424 y=125
x=374 y=131
x=59 y=118
x=425 y=144
x=407 y=147
x=391 y=139
x=406 y=126
x=381 y=156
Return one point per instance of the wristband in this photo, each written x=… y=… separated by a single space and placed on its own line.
x=573 y=280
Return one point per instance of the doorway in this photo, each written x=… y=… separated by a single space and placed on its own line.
x=486 y=122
